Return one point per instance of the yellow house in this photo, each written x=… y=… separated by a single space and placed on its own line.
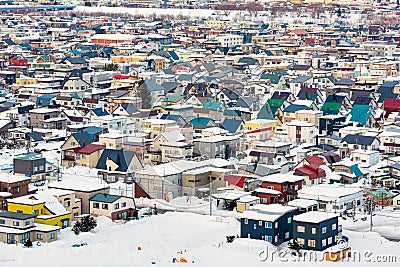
x=260 y=129
x=26 y=81
x=47 y=209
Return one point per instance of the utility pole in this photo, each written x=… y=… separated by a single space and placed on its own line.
x=370 y=210
x=209 y=194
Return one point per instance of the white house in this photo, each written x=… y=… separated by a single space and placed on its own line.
x=365 y=158
x=333 y=198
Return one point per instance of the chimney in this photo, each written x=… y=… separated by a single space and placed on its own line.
x=255 y=165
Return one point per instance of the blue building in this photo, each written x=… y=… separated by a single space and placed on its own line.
x=272 y=223
x=316 y=230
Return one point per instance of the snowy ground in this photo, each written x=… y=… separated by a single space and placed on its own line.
x=160 y=238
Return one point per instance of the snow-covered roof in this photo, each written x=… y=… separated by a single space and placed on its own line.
x=328 y=192
x=302 y=203
x=269 y=213
x=281 y=178
x=78 y=186
x=267 y=191
x=314 y=217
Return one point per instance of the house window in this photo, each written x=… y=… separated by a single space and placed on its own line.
x=270 y=187
x=52 y=236
x=27 y=223
x=255 y=226
x=329 y=240
x=96 y=205
x=104 y=206
x=123 y=204
x=2 y=221
x=311 y=243
x=324 y=230
x=19 y=211
x=268 y=225
x=16 y=189
x=300 y=241
x=334 y=226
x=323 y=242
x=260 y=223
x=301 y=229
x=39 y=237
x=41 y=168
x=287 y=234
x=276 y=224
x=289 y=220
x=246 y=221
x=268 y=238
x=313 y=230
x=67 y=203
x=116 y=206
x=15 y=223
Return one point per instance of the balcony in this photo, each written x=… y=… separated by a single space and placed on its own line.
x=69 y=157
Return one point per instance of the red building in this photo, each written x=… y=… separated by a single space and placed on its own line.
x=312 y=172
x=277 y=188
x=18 y=61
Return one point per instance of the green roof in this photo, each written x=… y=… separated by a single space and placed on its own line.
x=211 y=105
x=275 y=102
x=331 y=106
x=307 y=96
x=273 y=77
x=173 y=98
x=29 y=156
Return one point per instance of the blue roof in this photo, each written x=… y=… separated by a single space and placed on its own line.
x=120 y=157
x=100 y=112
x=35 y=136
x=300 y=79
x=93 y=130
x=44 y=100
x=83 y=138
x=386 y=91
x=170 y=117
x=231 y=125
x=293 y=108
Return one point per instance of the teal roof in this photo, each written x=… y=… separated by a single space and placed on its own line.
x=356 y=170
x=273 y=77
x=265 y=113
x=200 y=121
x=381 y=193
x=360 y=113
x=212 y=105
x=104 y=198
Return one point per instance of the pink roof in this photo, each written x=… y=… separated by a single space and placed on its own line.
x=300 y=32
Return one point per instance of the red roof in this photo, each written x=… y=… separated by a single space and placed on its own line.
x=120 y=77
x=391 y=105
x=89 y=149
x=311 y=171
x=90 y=100
x=315 y=160
x=236 y=180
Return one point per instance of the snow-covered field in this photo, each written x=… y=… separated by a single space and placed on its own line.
x=162 y=237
